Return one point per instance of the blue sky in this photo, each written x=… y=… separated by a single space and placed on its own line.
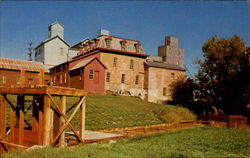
x=193 y=22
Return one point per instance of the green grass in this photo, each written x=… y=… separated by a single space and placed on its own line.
x=109 y=111
x=197 y=142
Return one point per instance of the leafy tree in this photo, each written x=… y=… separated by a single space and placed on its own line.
x=223 y=77
x=182 y=91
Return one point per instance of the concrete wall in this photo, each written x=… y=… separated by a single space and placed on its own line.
x=156 y=80
x=123 y=67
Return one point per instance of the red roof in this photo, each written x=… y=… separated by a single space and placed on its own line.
x=14 y=64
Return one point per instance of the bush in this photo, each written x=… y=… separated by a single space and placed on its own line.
x=175 y=115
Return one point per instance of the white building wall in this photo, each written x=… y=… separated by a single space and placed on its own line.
x=56 y=52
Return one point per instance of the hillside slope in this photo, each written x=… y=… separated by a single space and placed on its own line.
x=108 y=111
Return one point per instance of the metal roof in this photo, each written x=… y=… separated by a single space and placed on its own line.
x=86 y=62
x=164 y=65
x=14 y=64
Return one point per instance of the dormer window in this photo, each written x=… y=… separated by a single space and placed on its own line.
x=108 y=42
x=123 y=45
x=137 y=47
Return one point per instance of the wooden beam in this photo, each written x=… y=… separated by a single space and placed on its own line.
x=53 y=90
x=20 y=105
x=40 y=128
x=41 y=77
x=12 y=144
x=65 y=118
x=22 y=78
x=68 y=124
x=12 y=125
x=61 y=142
x=2 y=117
x=46 y=120
x=82 y=119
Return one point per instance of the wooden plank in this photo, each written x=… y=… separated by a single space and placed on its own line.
x=20 y=105
x=2 y=117
x=20 y=127
x=61 y=142
x=51 y=126
x=41 y=77
x=53 y=90
x=40 y=128
x=12 y=144
x=22 y=78
x=46 y=120
x=82 y=119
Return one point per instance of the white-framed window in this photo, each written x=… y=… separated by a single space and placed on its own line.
x=91 y=74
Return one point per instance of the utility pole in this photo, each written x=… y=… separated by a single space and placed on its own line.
x=30 y=51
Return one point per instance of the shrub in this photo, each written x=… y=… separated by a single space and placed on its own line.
x=175 y=115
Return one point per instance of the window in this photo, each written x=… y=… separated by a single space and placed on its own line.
x=61 y=51
x=54 y=82
x=115 y=62
x=123 y=78
x=172 y=76
x=65 y=78
x=91 y=74
x=61 y=78
x=137 y=47
x=108 y=77
x=131 y=66
x=164 y=91
x=123 y=45
x=108 y=43
x=137 y=79
x=4 y=79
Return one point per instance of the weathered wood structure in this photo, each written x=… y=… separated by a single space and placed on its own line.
x=48 y=119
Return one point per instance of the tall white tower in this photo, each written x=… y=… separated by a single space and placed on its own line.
x=56 y=29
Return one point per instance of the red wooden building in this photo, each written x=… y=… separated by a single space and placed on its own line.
x=10 y=72
x=87 y=74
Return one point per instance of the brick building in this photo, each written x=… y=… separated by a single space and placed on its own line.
x=127 y=69
x=11 y=69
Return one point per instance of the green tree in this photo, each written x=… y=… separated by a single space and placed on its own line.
x=223 y=77
x=182 y=91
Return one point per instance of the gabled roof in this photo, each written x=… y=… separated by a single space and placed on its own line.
x=163 y=65
x=85 y=63
x=52 y=39
x=14 y=64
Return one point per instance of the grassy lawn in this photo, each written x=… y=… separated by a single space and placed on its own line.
x=108 y=111
x=197 y=142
